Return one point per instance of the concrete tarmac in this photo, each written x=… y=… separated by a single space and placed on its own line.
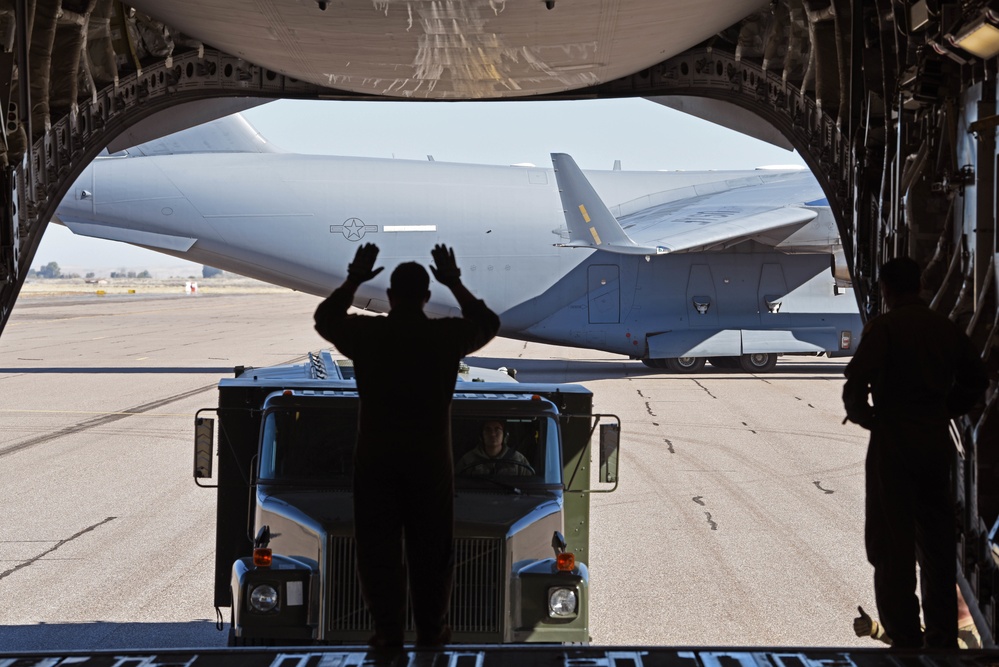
x=738 y=520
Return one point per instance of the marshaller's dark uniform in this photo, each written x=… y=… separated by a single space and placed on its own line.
x=921 y=370
x=403 y=468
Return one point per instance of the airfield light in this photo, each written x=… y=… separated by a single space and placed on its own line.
x=263 y=557
x=565 y=562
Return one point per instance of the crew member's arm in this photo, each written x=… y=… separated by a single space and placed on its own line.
x=484 y=323
x=331 y=316
x=970 y=379
x=860 y=373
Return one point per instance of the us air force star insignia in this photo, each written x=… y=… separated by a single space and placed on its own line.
x=353 y=229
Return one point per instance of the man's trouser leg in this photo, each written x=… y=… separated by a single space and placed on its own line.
x=890 y=540
x=936 y=532
x=430 y=557
x=380 y=569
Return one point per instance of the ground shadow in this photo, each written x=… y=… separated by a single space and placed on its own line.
x=566 y=370
x=110 y=370
x=99 y=635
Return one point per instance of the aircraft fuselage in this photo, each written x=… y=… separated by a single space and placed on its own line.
x=297 y=220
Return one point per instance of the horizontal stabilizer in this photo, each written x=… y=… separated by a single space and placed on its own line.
x=590 y=223
x=133 y=236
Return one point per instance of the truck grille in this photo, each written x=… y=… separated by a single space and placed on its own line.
x=476 y=599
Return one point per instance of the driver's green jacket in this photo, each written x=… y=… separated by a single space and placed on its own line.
x=509 y=462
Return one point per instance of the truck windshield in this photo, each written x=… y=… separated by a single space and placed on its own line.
x=517 y=449
x=315 y=445
x=308 y=444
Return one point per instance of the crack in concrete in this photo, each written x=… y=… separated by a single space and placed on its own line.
x=58 y=544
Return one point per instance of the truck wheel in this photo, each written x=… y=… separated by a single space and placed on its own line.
x=724 y=362
x=758 y=362
x=685 y=364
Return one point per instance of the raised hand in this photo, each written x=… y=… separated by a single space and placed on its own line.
x=444 y=268
x=362 y=268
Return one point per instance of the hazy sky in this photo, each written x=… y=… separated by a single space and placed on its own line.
x=642 y=134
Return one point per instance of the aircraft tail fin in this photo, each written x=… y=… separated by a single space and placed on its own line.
x=590 y=222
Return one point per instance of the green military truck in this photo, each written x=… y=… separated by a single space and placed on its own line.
x=284 y=558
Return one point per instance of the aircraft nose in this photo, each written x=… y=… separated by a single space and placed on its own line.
x=79 y=200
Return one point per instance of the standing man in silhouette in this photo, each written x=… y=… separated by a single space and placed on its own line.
x=921 y=371
x=403 y=467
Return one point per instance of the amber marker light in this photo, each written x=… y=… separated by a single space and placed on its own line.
x=262 y=557
x=287 y=392
x=565 y=562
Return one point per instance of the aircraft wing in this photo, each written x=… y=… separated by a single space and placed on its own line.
x=767 y=208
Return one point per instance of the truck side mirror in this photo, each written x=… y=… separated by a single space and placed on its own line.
x=610 y=439
x=204 y=447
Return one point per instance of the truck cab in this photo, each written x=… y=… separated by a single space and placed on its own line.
x=286 y=552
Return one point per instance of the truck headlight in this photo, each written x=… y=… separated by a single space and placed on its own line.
x=562 y=602
x=263 y=597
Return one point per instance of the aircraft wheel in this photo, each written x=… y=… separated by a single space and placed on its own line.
x=758 y=362
x=655 y=363
x=724 y=362
x=685 y=364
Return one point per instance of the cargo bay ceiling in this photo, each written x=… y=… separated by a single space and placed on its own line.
x=818 y=75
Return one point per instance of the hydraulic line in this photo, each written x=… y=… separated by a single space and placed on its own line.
x=967 y=286
x=935 y=303
x=987 y=285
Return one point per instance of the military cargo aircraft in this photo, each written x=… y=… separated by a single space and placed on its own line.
x=672 y=268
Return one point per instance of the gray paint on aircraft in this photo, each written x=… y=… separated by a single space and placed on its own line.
x=639 y=281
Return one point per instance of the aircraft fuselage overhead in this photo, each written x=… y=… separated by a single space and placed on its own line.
x=473 y=49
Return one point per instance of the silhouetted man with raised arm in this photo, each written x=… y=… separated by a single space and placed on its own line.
x=921 y=370
x=403 y=469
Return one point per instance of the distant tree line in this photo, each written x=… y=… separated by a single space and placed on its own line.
x=52 y=270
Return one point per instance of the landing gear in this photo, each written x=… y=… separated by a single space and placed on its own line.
x=680 y=365
x=685 y=364
x=758 y=362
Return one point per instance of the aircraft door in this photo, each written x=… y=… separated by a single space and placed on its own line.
x=604 y=293
x=771 y=295
x=702 y=306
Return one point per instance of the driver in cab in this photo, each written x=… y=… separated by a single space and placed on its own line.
x=492 y=456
